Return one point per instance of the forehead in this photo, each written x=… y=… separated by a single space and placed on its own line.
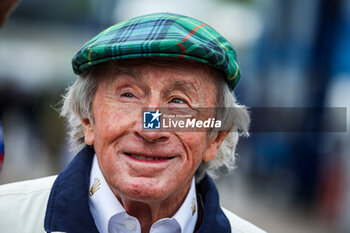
x=136 y=67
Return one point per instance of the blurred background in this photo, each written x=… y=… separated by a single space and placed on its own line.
x=292 y=53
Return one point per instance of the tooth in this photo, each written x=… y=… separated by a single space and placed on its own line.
x=139 y=157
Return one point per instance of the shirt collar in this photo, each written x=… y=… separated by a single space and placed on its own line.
x=104 y=205
x=187 y=215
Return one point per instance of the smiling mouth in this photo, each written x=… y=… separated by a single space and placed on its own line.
x=147 y=158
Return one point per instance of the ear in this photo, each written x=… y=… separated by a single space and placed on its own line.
x=213 y=145
x=89 y=136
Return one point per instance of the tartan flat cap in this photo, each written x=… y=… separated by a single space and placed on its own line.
x=160 y=35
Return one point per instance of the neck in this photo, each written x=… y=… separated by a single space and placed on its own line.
x=148 y=212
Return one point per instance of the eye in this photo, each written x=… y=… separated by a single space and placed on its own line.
x=128 y=94
x=177 y=101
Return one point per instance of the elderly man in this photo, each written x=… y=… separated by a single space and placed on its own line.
x=125 y=177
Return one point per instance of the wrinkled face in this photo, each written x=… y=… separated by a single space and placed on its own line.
x=154 y=165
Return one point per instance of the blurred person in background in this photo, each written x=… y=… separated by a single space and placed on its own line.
x=6 y=6
x=126 y=179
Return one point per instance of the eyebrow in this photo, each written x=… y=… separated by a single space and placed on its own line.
x=178 y=85
x=173 y=85
x=129 y=72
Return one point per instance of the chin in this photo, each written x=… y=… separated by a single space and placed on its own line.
x=144 y=189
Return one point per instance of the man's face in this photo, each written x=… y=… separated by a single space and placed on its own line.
x=149 y=165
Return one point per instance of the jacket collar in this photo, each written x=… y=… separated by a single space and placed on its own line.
x=68 y=205
x=214 y=219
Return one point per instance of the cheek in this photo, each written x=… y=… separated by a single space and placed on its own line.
x=110 y=123
x=195 y=146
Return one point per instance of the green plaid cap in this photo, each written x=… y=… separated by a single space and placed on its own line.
x=160 y=35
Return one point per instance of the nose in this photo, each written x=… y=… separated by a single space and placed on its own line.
x=153 y=100
x=152 y=134
x=148 y=128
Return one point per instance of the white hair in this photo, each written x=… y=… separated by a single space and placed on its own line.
x=77 y=104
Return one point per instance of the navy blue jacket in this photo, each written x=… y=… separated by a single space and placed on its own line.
x=68 y=206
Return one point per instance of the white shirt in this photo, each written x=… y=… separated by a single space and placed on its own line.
x=110 y=216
